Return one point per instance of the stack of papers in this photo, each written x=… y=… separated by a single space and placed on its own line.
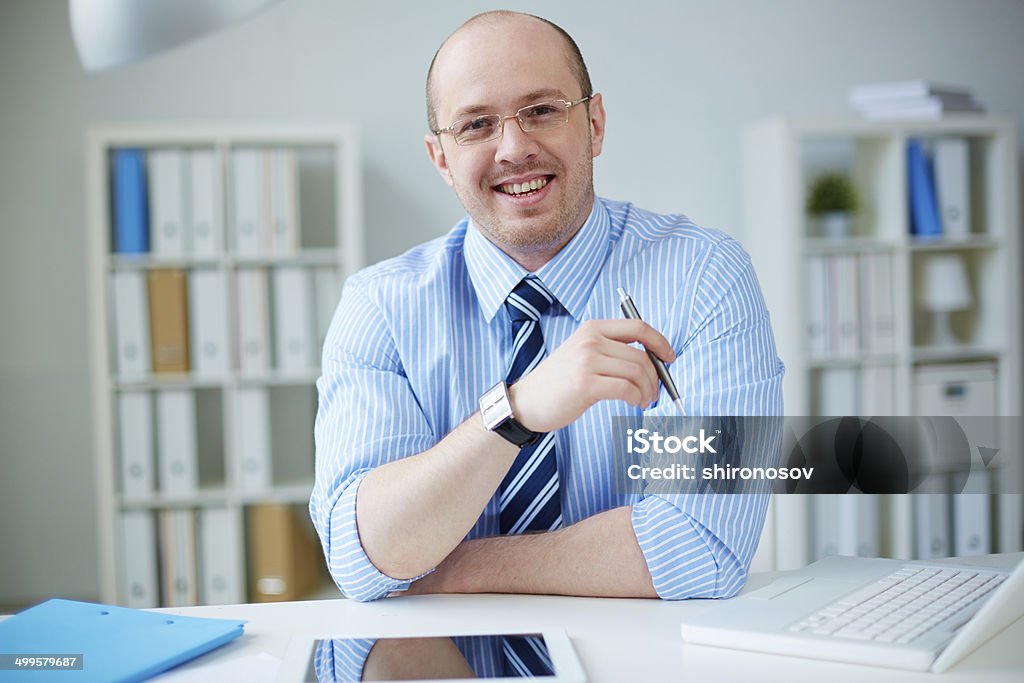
x=910 y=100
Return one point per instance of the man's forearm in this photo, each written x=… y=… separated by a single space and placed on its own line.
x=412 y=512
x=598 y=556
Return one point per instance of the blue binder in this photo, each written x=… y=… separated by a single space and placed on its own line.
x=116 y=643
x=924 y=209
x=131 y=205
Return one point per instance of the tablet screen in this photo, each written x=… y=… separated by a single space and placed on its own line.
x=519 y=655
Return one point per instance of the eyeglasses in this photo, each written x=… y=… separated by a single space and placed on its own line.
x=540 y=116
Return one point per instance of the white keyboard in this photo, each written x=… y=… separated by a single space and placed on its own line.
x=903 y=606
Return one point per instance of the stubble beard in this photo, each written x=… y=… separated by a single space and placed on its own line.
x=556 y=230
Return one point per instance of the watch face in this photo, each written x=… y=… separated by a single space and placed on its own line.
x=494 y=406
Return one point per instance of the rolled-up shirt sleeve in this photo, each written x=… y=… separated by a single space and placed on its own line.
x=367 y=416
x=700 y=545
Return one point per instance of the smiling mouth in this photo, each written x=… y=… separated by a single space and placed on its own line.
x=523 y=189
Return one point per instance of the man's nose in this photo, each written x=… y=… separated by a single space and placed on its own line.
x=514 y=145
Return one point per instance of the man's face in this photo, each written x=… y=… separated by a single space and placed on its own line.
x=498 y=68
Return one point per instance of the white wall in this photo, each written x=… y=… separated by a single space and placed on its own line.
x=679 y=78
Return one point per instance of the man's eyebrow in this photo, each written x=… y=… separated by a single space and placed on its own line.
x=529 y=98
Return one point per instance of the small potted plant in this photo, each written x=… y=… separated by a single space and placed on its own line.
x=832 y=201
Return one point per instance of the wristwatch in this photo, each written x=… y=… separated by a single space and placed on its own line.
x=496 y=411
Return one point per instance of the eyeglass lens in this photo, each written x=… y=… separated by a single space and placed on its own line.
x=539 y=116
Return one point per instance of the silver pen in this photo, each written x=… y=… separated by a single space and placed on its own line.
x=629 y=310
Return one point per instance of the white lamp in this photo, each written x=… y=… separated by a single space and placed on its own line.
x=944 y=289
x=111 y=33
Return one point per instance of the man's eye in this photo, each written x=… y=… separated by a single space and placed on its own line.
x=541 y=111
x=475 y=125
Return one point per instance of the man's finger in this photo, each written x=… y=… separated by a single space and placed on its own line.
x=629 y=331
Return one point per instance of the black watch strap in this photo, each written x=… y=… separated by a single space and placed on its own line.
x=516 y=433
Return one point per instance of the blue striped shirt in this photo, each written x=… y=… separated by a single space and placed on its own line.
x=418 y=338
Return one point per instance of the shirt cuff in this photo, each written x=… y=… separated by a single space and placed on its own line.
x=354 y=573
x=679 y=559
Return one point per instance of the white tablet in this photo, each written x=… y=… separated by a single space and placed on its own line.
x=431 y=656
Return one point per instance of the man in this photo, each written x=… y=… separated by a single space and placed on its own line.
x=414 y=492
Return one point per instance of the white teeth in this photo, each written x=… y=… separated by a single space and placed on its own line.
x=523 y=188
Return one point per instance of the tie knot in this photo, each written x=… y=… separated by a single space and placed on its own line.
x=529 y=300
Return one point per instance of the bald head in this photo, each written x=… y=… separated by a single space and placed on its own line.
x=494 y=21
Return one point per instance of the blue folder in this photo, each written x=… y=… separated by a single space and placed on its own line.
x=924 y=209
x=115 y=643
x=131 y=206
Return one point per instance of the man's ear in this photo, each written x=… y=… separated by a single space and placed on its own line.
x=596 y=124
x=437 y=157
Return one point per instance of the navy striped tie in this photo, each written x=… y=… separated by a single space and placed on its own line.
x=526 y=656
x=530 y=499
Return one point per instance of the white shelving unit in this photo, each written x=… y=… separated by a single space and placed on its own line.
x=327 y=239
x=781 y=157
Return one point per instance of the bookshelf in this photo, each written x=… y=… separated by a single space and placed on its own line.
x=216 y=255
x=854 y=316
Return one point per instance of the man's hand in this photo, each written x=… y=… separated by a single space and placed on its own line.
x=595 y=364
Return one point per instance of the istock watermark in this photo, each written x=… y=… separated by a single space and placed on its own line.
x=643 y=441
x=847 y=454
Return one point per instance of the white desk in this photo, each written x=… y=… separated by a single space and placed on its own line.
x=616 y=640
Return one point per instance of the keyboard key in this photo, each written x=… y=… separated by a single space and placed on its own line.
x=827 y=629
x=854 y=635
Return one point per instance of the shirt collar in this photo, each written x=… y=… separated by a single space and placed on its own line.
x=569 y=276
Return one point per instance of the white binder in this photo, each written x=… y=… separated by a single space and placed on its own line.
x=176 y=441
x=858 y=524
x=208 y=324
x=139 y=587
x=878 y=320
x=877 y=383
x=792 y=524
x=901 y=526
x=932 y=515
x=250 y=229
x=817 y=306
x=253 y=327
x=844 y=313
x=327 y=293
x=284 y=205
x=220 y=557
x=932 y=518
x=206 y=220
x=826 y=524
x=972 y=528
x=293 y=320
x=867 y=524
x=253 y=469
x=167 y=182
x=952 y=187
x=135 y=432
x=839 y=392
x=178 y=558
x=1010 y=513
x=131 y=324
